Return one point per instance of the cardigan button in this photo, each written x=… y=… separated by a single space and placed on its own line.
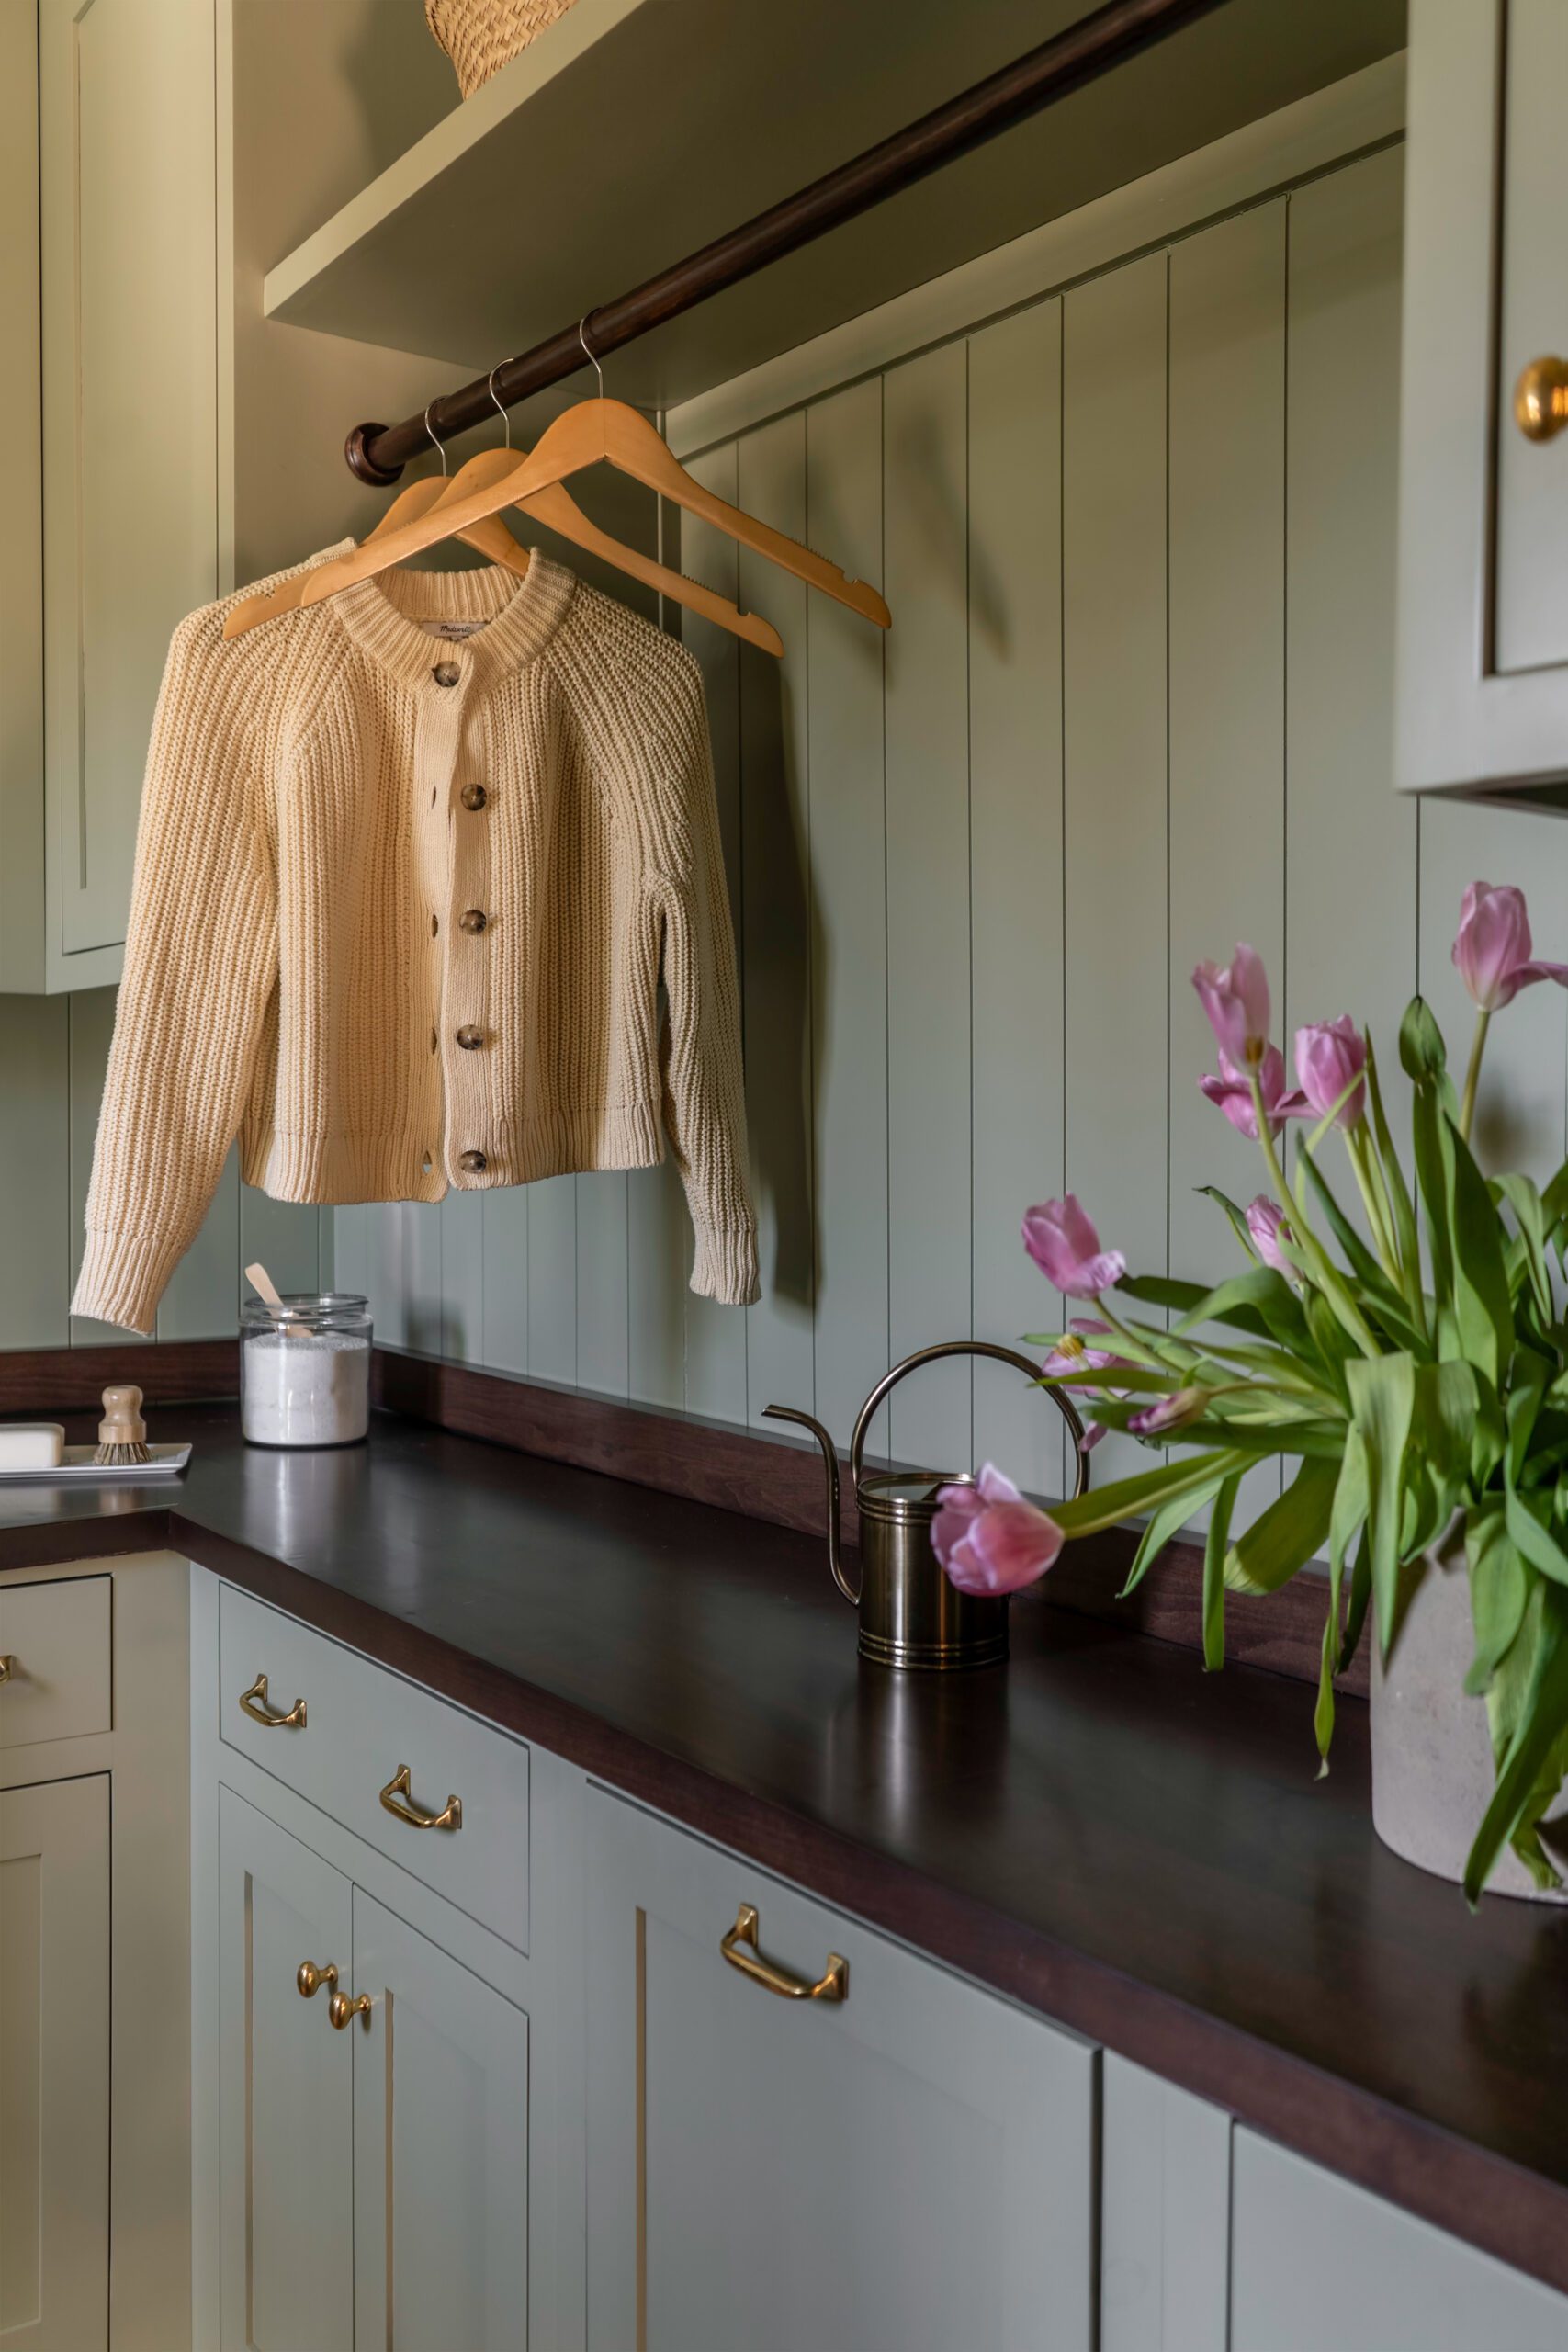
x=473 y=796
x=474 y=919
x=470 y=1038
x=473 y=1163
x=446 y=674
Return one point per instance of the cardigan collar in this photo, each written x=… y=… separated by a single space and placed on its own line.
x=518 y=618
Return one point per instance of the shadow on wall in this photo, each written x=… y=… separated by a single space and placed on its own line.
x=780 y=947
x=400 y=76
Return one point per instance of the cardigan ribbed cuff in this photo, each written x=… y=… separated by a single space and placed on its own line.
x=122 y=1278
x=725 y=1266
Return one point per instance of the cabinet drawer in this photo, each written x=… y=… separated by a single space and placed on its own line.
x=360 y=1727
x=59 y=1639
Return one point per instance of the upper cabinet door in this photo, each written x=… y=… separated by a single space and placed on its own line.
x=127 y=121
x=286 y=2165
x=906 y=2170
x=440 y=2149
x=1482 y=696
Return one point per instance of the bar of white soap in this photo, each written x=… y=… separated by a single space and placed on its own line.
x=31 y=1445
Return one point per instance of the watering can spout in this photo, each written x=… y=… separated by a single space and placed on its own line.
x=829 y=1455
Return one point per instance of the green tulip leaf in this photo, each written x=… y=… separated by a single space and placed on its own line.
x=1383 y=1397
x=1543 y=1722
x=1284 y=1537
x=1214 y=1547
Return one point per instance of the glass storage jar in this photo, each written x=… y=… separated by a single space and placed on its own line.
x=305 y=1369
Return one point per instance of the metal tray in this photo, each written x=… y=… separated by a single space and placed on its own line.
x=78 y=1468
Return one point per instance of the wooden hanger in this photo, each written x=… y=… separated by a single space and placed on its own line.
x=595 y=431
x=488 y=536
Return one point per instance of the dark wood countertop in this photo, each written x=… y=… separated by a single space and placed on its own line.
x=1095 y=1830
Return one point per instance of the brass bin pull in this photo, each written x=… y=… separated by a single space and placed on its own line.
x=397 y=1788
x=309 y=1979
x=739 y=1949
x=1541 y=399
x=253 y=1702
x=7 y=1666
x=342 y=2011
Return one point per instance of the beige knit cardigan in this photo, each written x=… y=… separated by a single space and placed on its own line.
x=411 y=865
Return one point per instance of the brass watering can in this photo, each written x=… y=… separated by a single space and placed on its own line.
x=910 y=1614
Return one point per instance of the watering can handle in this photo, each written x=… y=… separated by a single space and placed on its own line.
x=965 y=1348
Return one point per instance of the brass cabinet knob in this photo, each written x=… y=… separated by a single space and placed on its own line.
x=310 y=1979
x=740 y=1949
x=1541 y=399
x=342 y=2011
x=7 y=1666
x=254 y=1702
x=396 y=1798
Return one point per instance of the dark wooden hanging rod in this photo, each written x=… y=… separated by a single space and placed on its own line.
x=1077 y=55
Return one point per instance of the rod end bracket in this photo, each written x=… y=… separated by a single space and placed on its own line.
x=361 y=463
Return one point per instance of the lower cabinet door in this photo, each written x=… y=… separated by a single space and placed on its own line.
x=54 y=2066
x=440 y=2149
x=1318 y=2262
x=909 y=2169
x=286 y=2096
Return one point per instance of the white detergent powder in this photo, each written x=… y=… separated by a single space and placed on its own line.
x=305 y=1388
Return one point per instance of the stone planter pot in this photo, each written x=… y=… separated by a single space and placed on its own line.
x=1432 y=1774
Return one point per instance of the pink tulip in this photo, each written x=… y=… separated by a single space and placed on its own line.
x=1329 y=1053
x=1233 y=1094
x=1266 y=1223
x=988 y=1539
x=1168 y=1412
x=1065 y=1246
x=1492 y=953
x=1236 y=1001
x=1069 y=1354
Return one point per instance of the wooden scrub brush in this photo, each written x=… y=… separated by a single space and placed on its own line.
x=123 y=1433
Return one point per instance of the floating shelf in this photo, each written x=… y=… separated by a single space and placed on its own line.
x=634 y=130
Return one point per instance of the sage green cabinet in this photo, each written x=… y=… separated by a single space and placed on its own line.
x=287 y=2092
x=909 y=2169
x=108 y=291
x=374 y=2188
x=1482 y=673
x=1214 y=2239
x=54 y=2066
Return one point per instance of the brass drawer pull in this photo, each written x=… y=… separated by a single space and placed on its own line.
x=309 y=1979
x=395 y=1796
x=253 y=1702
x=1541 y=399
x=739 y=1949
x=342 y=2011
x=7 y=1666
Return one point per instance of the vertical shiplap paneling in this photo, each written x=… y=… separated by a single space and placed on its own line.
x=776 y=955
x=602 y=1362
x=463 y=1276
x=281 y=1236
x=1350 y=840
x=1015 y=805
x=926 y=541
x=92 y=1029
x=504 y=1219
x=199 y=1302
x=552 y=1278
x=351 y=1248
x=385 y=1274
x=712 y=1373
x=423 y=1311
x=1113 y=595
x=848 y=917
x=1227 y=684
x=36 y=1192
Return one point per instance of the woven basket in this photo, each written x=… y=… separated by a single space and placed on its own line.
x=481 y=36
